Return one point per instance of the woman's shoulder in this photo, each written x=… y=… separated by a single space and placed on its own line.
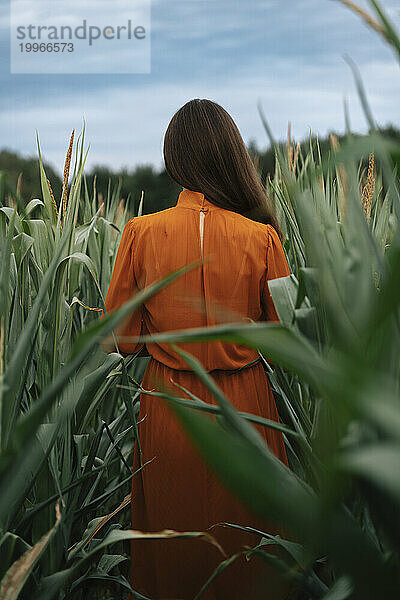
x=268 y=236
x=272 y=232
x=265 y=230
x=140 y=222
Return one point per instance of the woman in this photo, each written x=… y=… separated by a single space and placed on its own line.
x=222 y=218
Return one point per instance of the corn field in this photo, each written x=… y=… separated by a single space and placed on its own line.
x=68 y=410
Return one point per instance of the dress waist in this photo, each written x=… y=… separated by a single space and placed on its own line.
x=227 y=371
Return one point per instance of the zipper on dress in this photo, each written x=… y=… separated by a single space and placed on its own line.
x=203 y=211
x=201 y=232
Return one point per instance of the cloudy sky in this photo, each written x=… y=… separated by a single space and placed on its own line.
x=288 y=54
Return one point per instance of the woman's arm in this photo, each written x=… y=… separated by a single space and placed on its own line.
x=276 y=266
x=122 y=288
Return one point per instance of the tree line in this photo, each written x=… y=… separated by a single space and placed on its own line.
x=160 y=191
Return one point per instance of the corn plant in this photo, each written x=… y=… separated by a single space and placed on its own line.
x=68 y=412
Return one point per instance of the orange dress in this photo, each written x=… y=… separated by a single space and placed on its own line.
x=178 y=490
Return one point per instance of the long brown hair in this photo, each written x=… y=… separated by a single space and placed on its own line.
x=204 y=152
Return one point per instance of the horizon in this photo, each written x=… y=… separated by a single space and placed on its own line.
x=158 y=169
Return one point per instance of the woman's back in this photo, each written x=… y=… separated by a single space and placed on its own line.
x=237 y=256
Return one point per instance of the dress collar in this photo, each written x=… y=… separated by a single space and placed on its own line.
x=194 y=200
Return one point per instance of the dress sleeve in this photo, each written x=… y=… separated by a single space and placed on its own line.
x=276 y=266
x=121 y=289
